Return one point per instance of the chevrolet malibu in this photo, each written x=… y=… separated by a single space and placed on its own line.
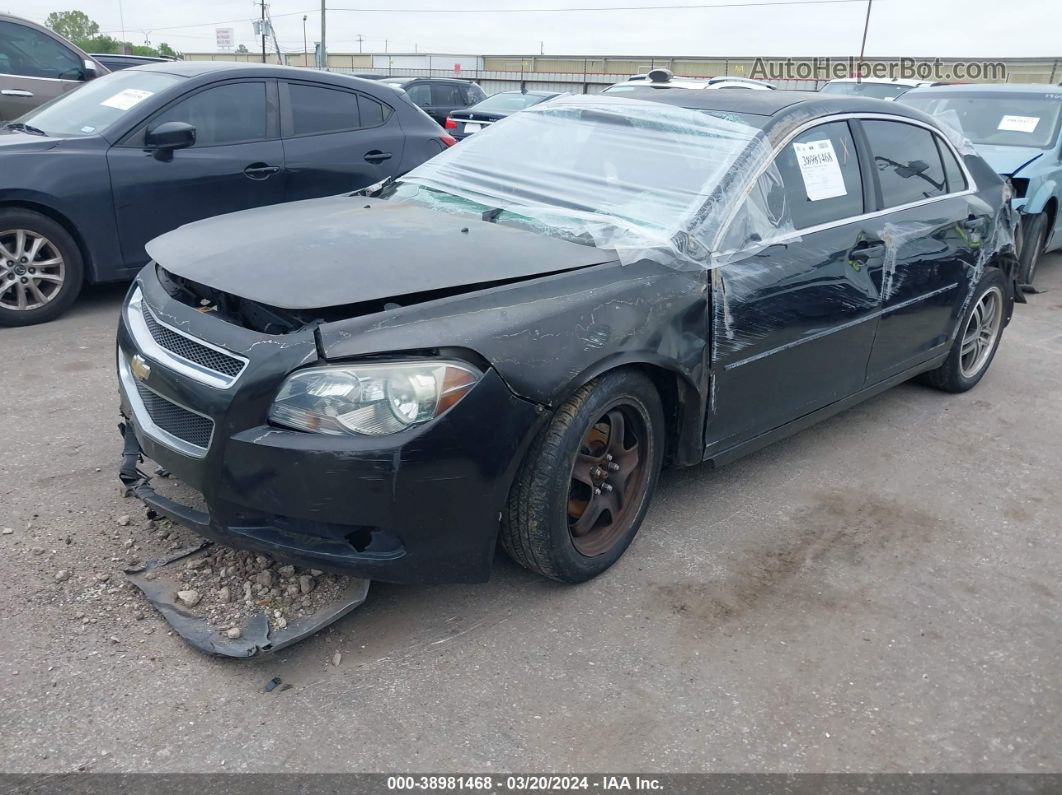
x=512 y=340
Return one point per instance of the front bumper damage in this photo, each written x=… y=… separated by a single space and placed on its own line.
x=419 y=506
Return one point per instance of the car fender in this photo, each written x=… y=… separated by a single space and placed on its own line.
x=1036 y=202
x=94 y=236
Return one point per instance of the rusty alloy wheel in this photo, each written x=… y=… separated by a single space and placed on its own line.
x=608 y=480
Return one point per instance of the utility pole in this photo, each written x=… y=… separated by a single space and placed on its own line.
x=305 y=51
x=359 y=42
x=262 y=30
x=324 y=51
x=542 y=48
x=863 y=46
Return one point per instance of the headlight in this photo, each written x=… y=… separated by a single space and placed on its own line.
x=370 y=399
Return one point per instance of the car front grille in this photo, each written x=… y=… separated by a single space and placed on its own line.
x=175 y=420
x=192 y=351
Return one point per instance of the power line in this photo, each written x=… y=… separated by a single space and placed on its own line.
x=590 y=8
x=222 y=21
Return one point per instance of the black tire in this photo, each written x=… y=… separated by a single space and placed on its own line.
x=954 y=375
x=537 y=527
x=1034 y=237
x=57 y=244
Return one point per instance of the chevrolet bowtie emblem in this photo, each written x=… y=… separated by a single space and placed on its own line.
x=141 y=369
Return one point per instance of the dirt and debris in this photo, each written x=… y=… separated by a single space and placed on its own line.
x=228 y=586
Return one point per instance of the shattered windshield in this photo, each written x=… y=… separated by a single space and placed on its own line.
x=617 y=173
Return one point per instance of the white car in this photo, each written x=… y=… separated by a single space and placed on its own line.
x=663 y=78
x=878 y=88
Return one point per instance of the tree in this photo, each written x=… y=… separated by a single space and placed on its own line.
x=242 y=48
x=169 y=52
x=74 y=25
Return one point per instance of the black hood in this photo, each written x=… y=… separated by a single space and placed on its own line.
x=347 y=249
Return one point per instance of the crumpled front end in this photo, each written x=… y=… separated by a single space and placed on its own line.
x=420 y=505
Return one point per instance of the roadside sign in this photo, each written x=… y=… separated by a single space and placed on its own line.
x=226 y=38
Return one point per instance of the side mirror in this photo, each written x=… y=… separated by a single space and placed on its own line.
x=168 y=137
x=88 y=71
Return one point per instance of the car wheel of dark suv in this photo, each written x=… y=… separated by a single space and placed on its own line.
x=980 y=331
x=584 y=488
x=40 y=268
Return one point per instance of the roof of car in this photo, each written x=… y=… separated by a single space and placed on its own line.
x=887 y=81
x=773 y=106
x=400 y=79
x=981 y=88
x=196 y=68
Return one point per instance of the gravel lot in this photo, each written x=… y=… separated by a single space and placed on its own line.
x=879 y=593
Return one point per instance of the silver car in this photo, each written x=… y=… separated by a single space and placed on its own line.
x=37 y=65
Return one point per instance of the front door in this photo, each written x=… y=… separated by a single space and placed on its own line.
x=236 y=163
x=794 y=317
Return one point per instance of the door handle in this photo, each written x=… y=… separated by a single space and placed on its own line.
x=260 y=171
x=376 y=156
x=863 y=251
x=16 y=92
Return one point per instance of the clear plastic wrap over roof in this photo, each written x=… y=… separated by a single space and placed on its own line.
x=645 y=179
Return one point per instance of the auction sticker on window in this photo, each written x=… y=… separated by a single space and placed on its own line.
x=820 y=169
x=125 y=99
x=1025 y=124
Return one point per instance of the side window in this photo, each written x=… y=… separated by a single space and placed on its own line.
x=30 y=53
x=227 y=114
x=907 y=162
x=952 y=172
x=475 y=94
x=420 y=93
x=447 y=94
x=316 y=110
x=372 y=112
x=820 y=176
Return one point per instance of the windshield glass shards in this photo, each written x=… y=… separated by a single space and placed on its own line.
x=642 y=178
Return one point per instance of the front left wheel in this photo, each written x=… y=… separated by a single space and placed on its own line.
x=585 y=486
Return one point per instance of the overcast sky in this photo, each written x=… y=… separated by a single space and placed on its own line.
x=973 y=28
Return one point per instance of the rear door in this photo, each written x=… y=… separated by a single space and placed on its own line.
x=335 y=140
x=34 y=68
x=236 y=163
x=932 y=232
x=795 y=307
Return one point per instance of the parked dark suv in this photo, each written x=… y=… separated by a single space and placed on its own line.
x=439 y=96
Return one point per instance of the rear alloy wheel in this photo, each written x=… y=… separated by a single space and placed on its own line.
x=980 y=331
x=586 y=482
x=40 y=268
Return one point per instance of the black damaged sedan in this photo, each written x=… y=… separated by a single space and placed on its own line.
x=511 y=341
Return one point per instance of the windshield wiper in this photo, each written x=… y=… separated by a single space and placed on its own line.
x=23 y=127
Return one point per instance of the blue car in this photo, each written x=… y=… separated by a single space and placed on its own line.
x=1016 y=129
x=89 y=178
